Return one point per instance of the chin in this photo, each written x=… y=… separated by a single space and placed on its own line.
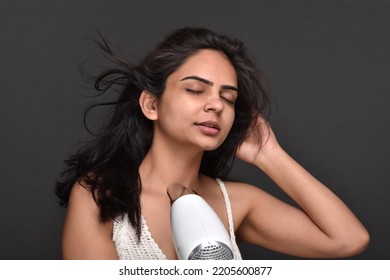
x=210 y=147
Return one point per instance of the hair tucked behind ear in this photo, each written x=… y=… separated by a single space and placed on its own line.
x=108 y=164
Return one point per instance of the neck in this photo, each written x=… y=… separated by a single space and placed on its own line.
x=163 y=165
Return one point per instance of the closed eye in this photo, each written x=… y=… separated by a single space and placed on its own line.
x=228 y=100
x=192 y=91
x=229 y=97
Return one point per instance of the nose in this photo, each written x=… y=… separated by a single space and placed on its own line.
x=214 y=104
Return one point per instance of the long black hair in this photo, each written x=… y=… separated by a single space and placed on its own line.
x=108 y=164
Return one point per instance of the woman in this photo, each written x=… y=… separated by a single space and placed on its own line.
x=182 y=115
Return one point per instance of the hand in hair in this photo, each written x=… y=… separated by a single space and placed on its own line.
x=260 y=139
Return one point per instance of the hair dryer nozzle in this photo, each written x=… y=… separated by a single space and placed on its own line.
x=198 y=233
x=177 y=190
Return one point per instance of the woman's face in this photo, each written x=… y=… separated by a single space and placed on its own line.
x=197 y=105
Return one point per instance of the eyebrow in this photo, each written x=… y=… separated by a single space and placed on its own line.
x=207 y=82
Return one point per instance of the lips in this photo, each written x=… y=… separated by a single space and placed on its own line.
x=211 y=124
x=210 y=128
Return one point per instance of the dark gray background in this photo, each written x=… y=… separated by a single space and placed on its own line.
x=327 y=64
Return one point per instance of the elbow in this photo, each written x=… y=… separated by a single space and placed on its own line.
x=354 y=245
x=362 y=243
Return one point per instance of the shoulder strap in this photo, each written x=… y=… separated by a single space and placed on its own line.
x=236 y=250
x=228 y=207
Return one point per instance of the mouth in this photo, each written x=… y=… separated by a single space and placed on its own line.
x=209 y=128
x=210 y=124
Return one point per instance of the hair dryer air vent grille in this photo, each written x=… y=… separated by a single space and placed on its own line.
x=211 y=251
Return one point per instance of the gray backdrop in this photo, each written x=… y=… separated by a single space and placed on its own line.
x=327 y=63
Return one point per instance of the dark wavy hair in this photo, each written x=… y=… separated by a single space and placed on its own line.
x=108 y=164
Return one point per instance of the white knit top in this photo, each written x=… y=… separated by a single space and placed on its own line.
x=128 y=247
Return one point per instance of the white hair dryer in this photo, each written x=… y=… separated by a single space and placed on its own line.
x=198 y=233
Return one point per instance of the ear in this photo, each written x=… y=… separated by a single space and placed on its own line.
x=148 y=104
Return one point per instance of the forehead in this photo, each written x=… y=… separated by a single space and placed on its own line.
x=209 y=64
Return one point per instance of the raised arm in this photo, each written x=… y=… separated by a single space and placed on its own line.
x=323 y=227
x=84 y=236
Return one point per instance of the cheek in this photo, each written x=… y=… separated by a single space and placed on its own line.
x=230 y=119
x=174 y=112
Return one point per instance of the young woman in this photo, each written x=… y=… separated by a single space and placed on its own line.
x=183 y=114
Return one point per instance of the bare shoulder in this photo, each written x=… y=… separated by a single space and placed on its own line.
x=84 y=235
x=81 y=196
x=82 y=204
